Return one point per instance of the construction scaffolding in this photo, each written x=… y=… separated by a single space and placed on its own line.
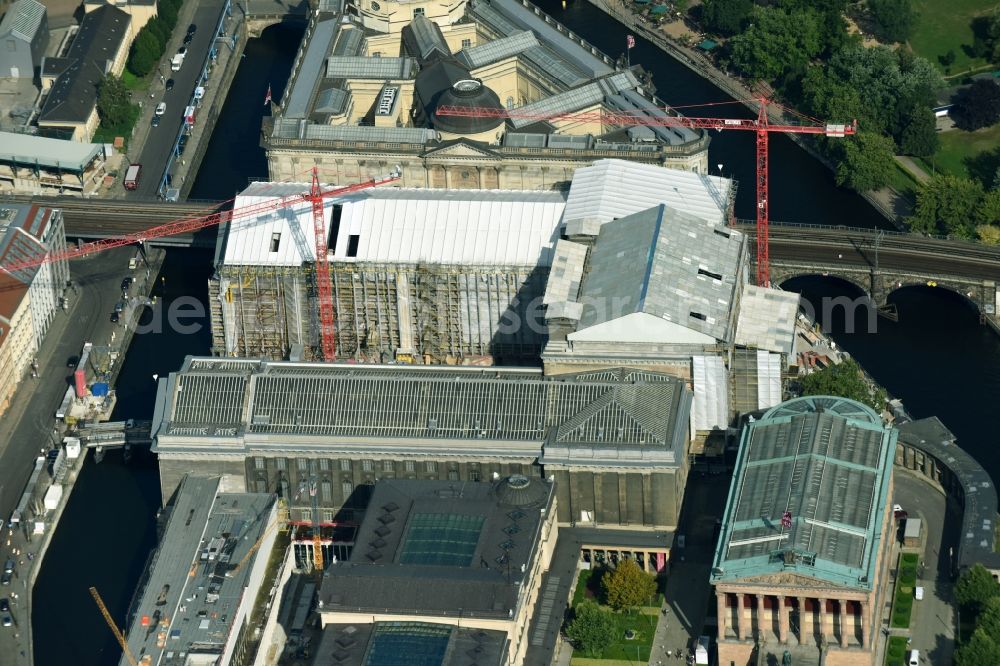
x=417 y=313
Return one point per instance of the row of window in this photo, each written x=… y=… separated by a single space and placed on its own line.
x=310 y=465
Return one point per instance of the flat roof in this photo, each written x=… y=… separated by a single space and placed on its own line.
x=192 y=596
x=424 y=644
x=809 y=494
x=29 y=150
x=22 y=228
x=442 y=548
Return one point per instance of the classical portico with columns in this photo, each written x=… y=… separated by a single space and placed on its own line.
x=802 y=558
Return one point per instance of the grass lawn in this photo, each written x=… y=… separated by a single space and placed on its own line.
x=968 y=154
x=903 y=182
x=621 y=650
x=132 y=82
x=947 y=25
x=895 y=654
x=108 y=134
x=906 y=580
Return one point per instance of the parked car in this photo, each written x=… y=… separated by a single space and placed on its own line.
x=155 y=122
x=6 y=578
x=182 y=51
x=114 y=317
x=52 y=454
x=8 y=566
x=4 y=606
x=161 y=108
x=192 y=29
x=188 y=38
x=914 y=659
x=72 y=361
x=170 y=85
x=126 y=283
x=7 y=621
x=898 y=513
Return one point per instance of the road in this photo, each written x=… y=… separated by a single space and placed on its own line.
x=160 y=140
x=27 y=428
x=932 y=624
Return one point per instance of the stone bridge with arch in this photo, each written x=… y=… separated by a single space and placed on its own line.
x=880 y=262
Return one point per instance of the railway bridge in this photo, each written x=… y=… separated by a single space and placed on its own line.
x=876 y=262
x=881 y=262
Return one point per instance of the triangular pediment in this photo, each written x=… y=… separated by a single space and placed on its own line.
x=788 y=580
x=461 y=149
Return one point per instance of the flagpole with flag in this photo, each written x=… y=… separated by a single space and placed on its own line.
x=629 y=45
x=267 y=97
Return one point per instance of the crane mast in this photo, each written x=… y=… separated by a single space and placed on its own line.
x=317 y=540
x=114 y=627
x=760 y=125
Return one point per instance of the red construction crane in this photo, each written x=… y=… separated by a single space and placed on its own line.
x=315 y=196
x=761 y=125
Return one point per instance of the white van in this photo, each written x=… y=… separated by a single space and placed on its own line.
x=914 y=659
x=918 y=593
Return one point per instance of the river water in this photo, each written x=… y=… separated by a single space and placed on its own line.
x=108 y=529
x=937 y=358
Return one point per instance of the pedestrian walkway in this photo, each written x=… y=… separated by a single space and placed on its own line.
x=913 y=168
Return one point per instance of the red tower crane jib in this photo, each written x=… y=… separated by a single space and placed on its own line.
x=761 y=125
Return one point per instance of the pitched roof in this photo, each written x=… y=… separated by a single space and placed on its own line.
x=73 y=96
x=825 y=461
x=664 y=263
x=606 y=409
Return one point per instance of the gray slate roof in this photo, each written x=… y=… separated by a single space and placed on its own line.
x=74 y=94
x=423 y=39
x=376 y=579
x=830 y=473
x=23 y=19
x=665 y=263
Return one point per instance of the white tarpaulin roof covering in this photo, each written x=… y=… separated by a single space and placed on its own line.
x=768 y=379
x=610 y=189
x=403 y=226
x=767 y=319
x=710 y=408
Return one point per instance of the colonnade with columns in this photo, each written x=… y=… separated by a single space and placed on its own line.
x=800 y=616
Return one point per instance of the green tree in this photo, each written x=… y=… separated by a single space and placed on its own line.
x=726 y=17
x=989 y=615
x=894 y=19
x=777 y=44
x=145 y=53
x=947 y=205
x=975 y=587
x=865 y=162
x=592 y=629
x=920 y=136
x=846 y=381
x=167 y=12
x=980 y=650
x=113 y=102
x=977 y=106
x=627 y=586
x=159 y=30
x=988 y=212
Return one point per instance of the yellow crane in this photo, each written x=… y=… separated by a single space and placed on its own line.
x=253 y=549
x=317 y=540
x=114 y=627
